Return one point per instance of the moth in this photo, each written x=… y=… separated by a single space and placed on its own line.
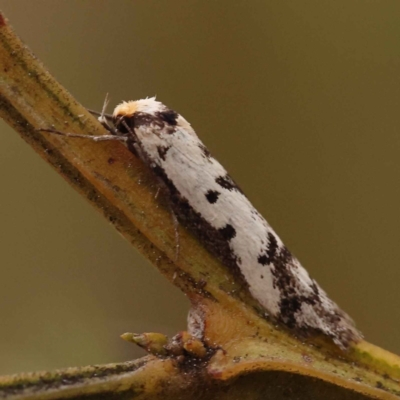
x=206 y=200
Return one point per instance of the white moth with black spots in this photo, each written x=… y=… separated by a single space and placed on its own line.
x=208 y=202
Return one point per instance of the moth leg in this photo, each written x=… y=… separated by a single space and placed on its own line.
x=91 y=137
x=136 y=144
x=177 y=238
x=109 y=117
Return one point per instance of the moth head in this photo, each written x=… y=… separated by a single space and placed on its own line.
x=147 y=111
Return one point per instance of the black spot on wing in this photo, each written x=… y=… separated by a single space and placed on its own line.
x=293 y=292
x=227 y=183
x=287 y=282
x=283 y=271
x=162 y=151
x=212 y=196
x=289 y=306
x=169 y=116
x=269 y=254
x=204 y=151
x=228 y=232
x=272 y=246
x=263 y=259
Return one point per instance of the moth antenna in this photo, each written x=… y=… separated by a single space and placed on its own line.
x=105 y=104
x=103 y=119
x=98 y=114
x=95 y=138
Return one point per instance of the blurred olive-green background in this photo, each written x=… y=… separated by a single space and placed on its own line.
x=299 y=100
